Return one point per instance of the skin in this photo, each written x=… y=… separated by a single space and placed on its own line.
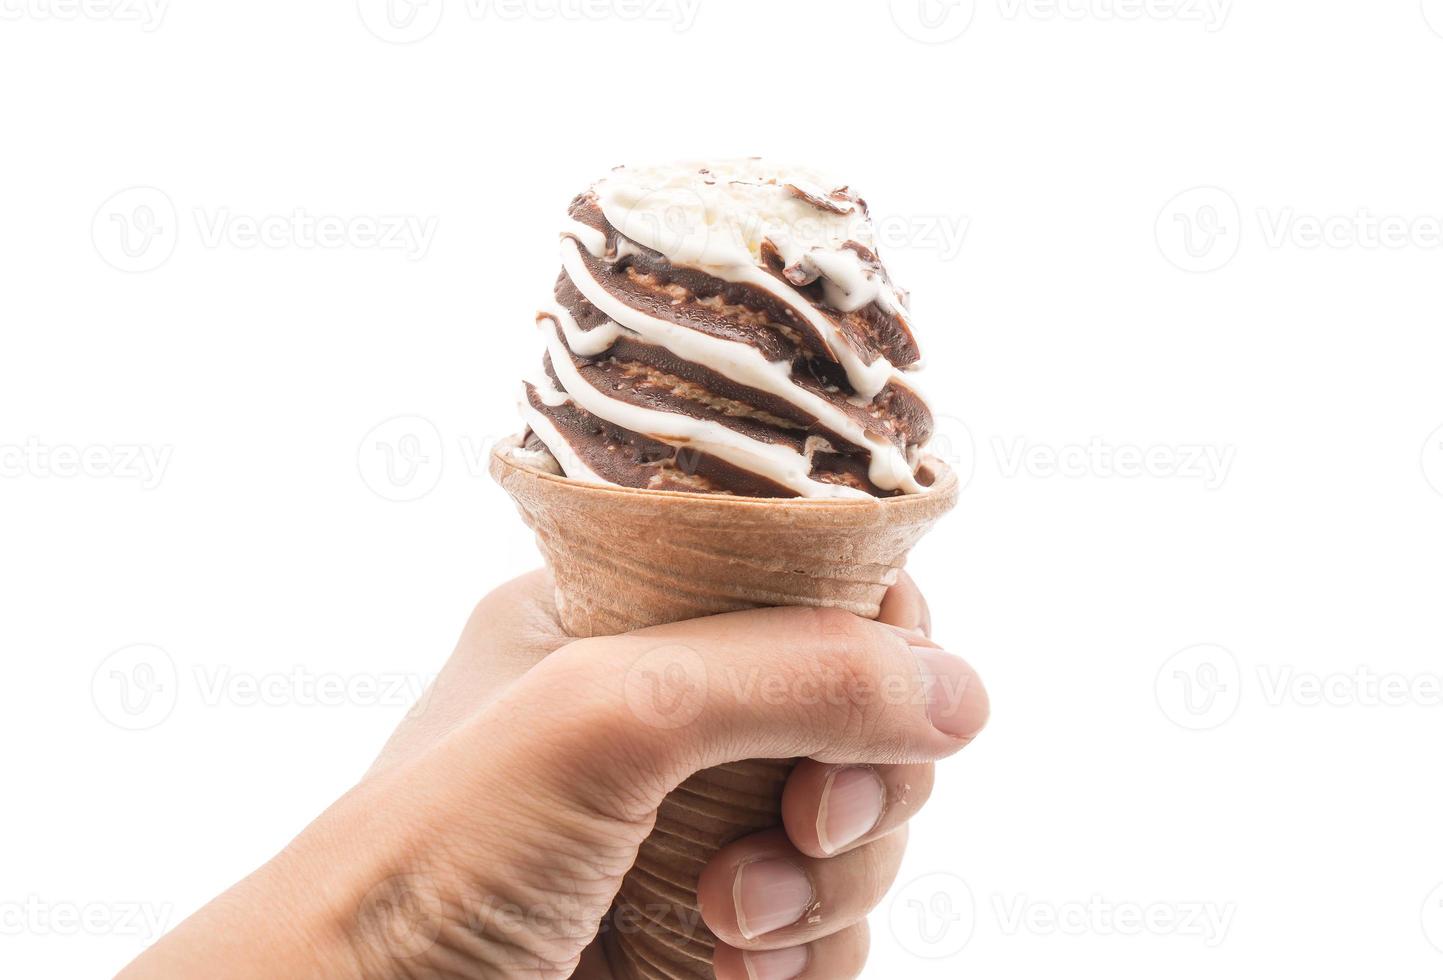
x=492 y=833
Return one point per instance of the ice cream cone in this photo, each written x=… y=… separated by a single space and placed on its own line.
x=625 y=559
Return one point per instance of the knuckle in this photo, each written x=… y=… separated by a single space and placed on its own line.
x=858 y=946
x=847 y=677
x=881 y=860
x=830 y=623
x=593 y=732
x=600 y=764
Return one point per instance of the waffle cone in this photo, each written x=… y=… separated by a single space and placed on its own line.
x=624 y=559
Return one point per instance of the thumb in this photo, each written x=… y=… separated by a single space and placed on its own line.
x=603 y=729
x=628 y=718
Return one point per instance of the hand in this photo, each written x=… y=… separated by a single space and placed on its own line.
x=490 y=837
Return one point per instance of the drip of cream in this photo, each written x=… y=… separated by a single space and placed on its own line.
x=740 y=362
x=849 y=285
x=594 y=239
x=867 y=380
x=567 y=458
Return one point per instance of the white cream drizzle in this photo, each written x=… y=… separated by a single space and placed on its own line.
x=848 y=285
x=567 y=458
x=593 y=239
x=867 y=380
x=776 y=462
x=740 y=362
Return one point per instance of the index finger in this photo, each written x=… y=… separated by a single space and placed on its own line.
x=903 y=606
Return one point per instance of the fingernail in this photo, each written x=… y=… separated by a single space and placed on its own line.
x=956 y=700
x=852 y=803
x=776 y=964
x=769 y=895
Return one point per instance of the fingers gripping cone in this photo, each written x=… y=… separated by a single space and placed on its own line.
x=624 y=559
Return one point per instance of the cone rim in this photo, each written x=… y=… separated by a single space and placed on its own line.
x=943 y=487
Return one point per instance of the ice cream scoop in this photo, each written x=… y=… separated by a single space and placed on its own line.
x=727 y=328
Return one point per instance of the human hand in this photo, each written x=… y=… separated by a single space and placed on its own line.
x=490 y=837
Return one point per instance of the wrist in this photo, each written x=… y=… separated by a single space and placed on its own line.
x=384 y=869
x=348 y=881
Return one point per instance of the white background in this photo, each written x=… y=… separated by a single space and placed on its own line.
x=1154 y=641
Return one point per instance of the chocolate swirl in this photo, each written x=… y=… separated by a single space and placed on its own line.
x=726 y=328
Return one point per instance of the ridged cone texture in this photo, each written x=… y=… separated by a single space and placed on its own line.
x=625 y=559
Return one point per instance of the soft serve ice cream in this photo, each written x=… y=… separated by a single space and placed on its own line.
x=726 y=328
